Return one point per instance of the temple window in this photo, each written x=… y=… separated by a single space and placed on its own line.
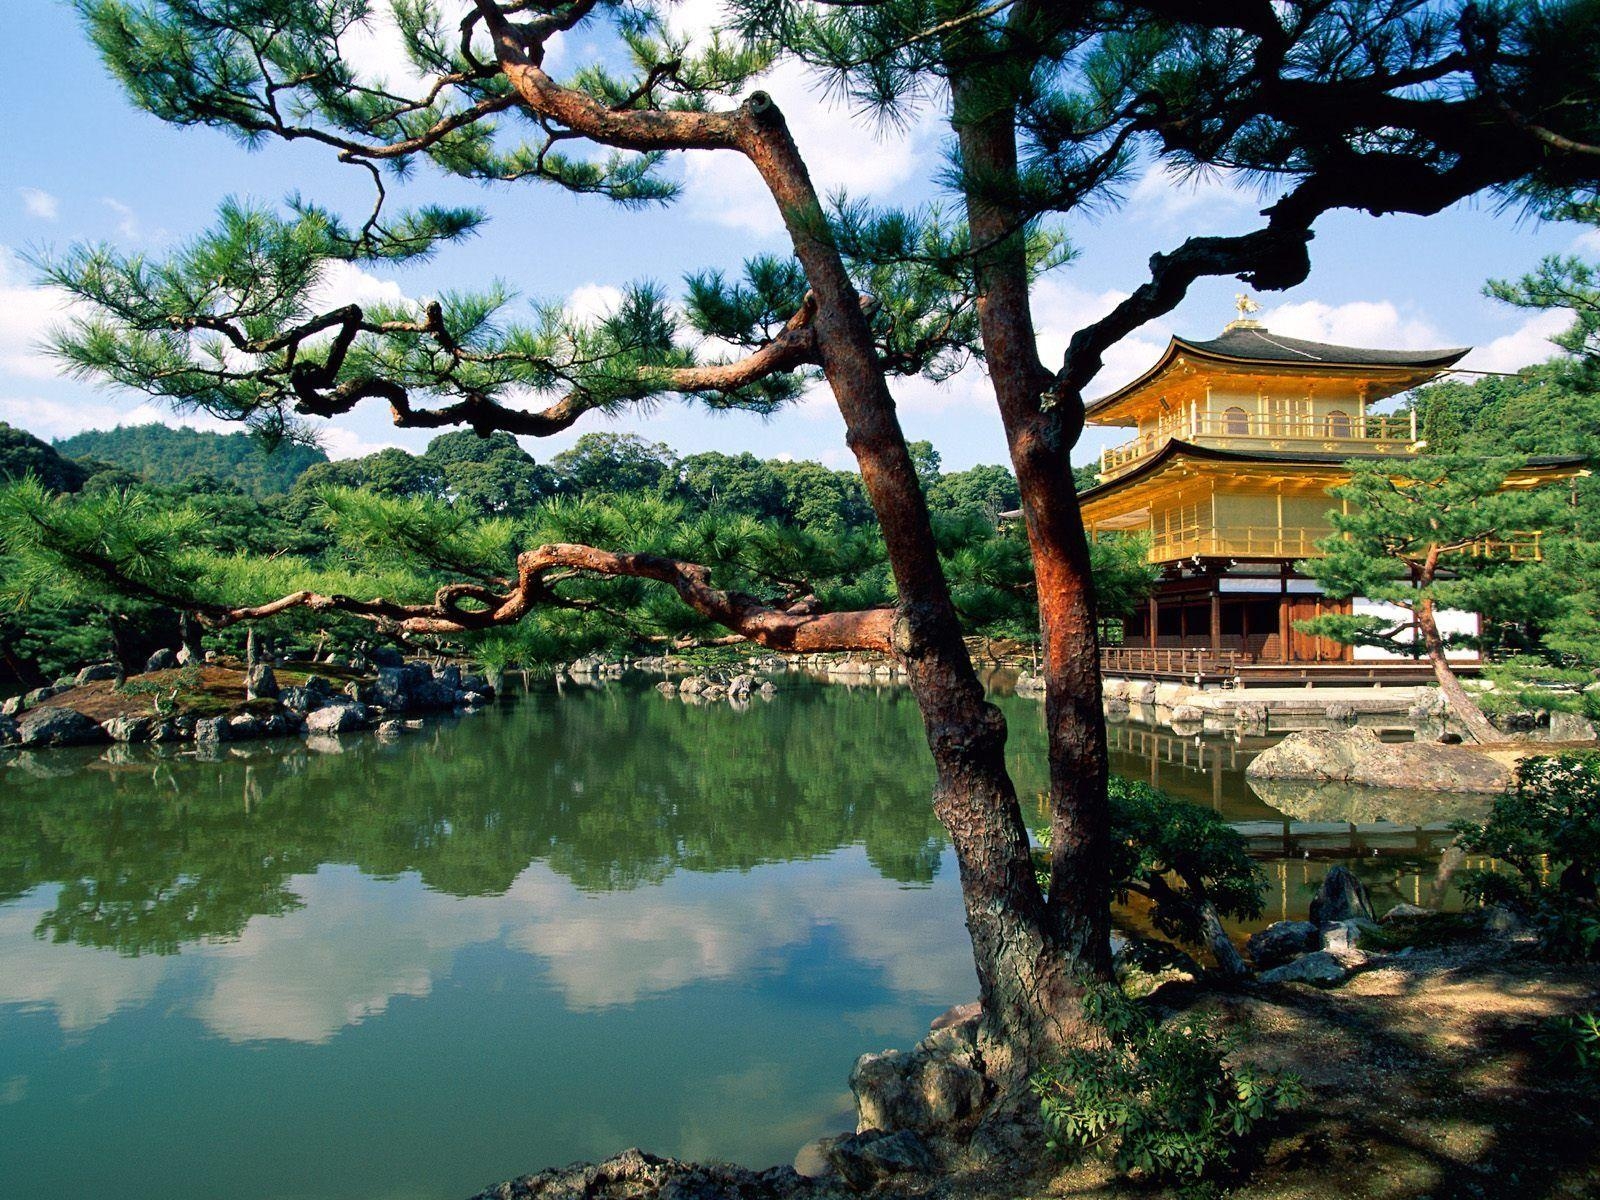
x=1340 y=425
x=1236 y=422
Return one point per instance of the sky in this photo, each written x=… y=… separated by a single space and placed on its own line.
x=78 y=163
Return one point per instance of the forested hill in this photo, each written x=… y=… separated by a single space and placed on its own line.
x=167 y=456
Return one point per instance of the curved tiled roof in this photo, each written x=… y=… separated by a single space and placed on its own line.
x=1256 y=345
x=1262 y=345
x=1175 y=447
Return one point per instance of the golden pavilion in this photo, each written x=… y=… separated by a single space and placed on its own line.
x=1237 y=441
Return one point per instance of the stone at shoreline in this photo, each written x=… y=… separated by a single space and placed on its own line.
x=1187 y=714
x=11 y=706
x=10 y=733
x=38 y=696
x=338 y=718
x=922 y=1089
x=1342 y=897
x=667 y=688
x=58 y=727
x=635 y=1175
x=392 y=729
x=130 y=729
x=97 y=672
x=387 y=656
x=1571 y=727
x=1280 y=942
x=1360 y=756
x=1319 y=968
x=863 y=1159
x=211 y=730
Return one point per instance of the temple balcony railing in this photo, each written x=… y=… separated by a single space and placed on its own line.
x=1520 y=546
x=1236 y=541
x=1335 y=434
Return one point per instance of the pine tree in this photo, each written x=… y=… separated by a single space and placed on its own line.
x=1440 y=533
x=1363 y=104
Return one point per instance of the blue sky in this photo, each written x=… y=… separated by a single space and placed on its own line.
x=79 y=163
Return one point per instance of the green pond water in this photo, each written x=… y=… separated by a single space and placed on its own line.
x=572 y=924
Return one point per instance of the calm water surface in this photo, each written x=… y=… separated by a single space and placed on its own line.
x=537 y=935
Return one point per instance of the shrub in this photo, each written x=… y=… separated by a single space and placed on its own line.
x=1546 y=829
x=1161 y=1100
x=1572 y=1042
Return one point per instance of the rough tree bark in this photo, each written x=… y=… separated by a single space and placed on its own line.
x=1464 y=707
x=1040 y=437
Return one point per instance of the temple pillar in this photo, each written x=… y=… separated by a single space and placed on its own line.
x=1155 y=613
x=1216 y=616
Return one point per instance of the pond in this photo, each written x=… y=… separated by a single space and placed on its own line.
x=571 y=924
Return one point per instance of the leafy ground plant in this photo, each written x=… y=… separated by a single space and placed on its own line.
x=1161 y=1099
x=1547 y=831
x=1572 y=1042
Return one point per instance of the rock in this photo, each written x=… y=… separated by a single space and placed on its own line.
x=634 y=1175
x=338 y=718
x=58 y=727
x=1315 y=754
x=1117 y=708
x=300 y=699
x=1405 y=912
x=1280 y=942
x=247 y=726
x=211 y=730
x=713 y=691
x=1319 y=968
x=38 y=696
x=920 y=1090
x=863 y=1159
x=1571 y=727
x=1253 y=717
x=161 y=660
x=184 y=656
x=740 y=686
x=1341 y=897
x=392 y=729
x=11 y=707
x=1344 y=937
x=317 y=685
x=10 y=732
x=767 y=690
x=130 y=729
x=260 y=683
x=960 y=1014
x=387 y=656
x=693 y=685
x=96 y=673
x=1029 y=684
x=1187 y=714
x=1506 y=922
x=1358 y=755
x=1340 y=714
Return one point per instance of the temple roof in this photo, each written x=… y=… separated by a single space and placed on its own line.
x=1246 y=344
x=1310 y=458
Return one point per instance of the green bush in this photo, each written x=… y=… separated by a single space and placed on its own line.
x=1160 y=1099
x=1547 y=830
x=1572 y=1043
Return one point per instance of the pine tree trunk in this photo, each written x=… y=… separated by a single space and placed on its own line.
x=1022 y=977
x=1461 y=704
x=1040 y=439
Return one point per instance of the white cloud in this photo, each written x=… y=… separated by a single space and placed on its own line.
x=338 y=442
x=1587 y=242
x=127 y=220
x=1529 y=343
x=1359 y=323
x=1061 y=309
x=1165 y=195
x=39 y=203
x=27 y=313
x=591 y=301
x=82 y=985
x=346 y=283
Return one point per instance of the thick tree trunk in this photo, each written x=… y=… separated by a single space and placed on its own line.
x=1040 y=440
x=1023 y=979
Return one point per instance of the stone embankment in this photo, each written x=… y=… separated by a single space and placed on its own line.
x=215 y=703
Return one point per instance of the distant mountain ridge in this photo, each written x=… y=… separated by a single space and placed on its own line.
x=165 y=456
